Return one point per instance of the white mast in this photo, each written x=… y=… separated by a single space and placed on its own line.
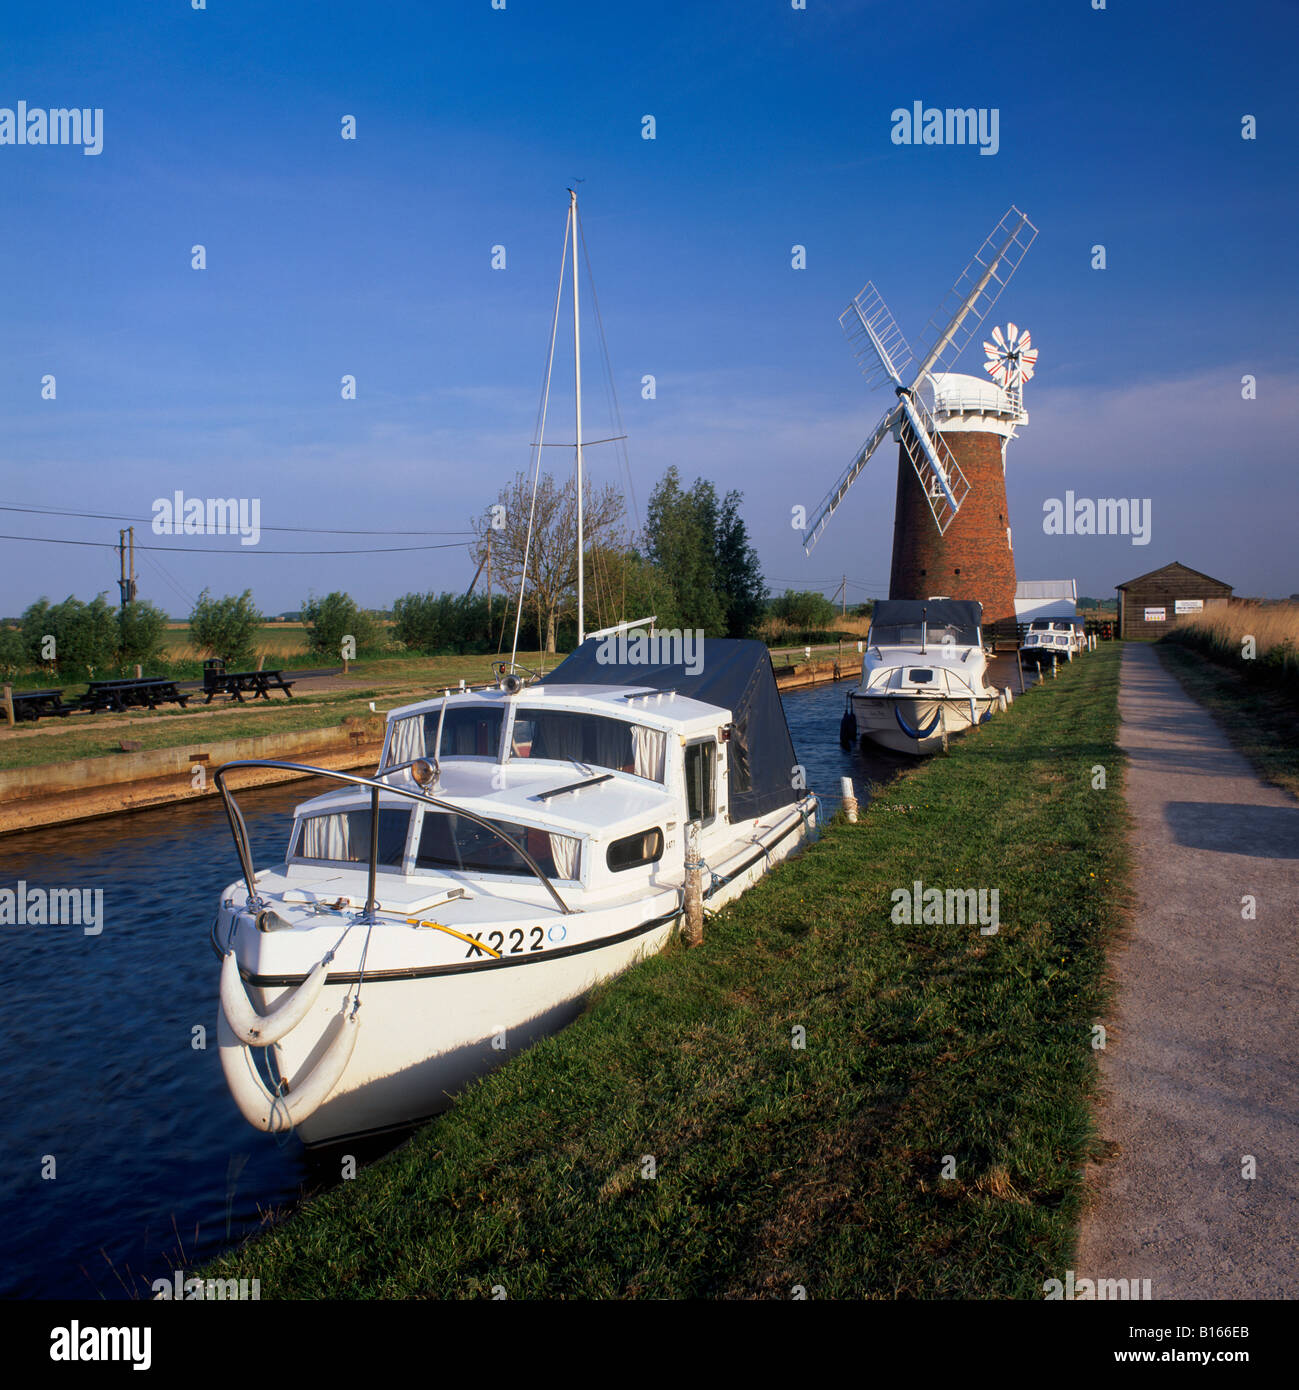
x=577 y=375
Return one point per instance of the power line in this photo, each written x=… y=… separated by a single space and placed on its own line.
x=176 y=587
x=244 y=550
x=146 y=521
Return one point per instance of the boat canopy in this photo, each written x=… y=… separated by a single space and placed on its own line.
x=731 y=674
x=963 y=617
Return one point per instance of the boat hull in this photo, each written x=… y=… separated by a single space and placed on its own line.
x=424 y=1037
x=908 y=724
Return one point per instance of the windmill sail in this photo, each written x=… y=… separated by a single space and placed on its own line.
x=875 y=338
x=830 y=502
x=940 y=475
x=976 y=290
x=883 y=355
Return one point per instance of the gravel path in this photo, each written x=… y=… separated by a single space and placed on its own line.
x=1200 y=1066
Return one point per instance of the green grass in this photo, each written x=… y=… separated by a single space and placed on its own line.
x=1259 y=718
x=390 y=681
x=94 y=736
x=779 y=1167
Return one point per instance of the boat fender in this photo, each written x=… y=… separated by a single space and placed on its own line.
x=848 y=729
x=270 y=1113
x=260 y=1030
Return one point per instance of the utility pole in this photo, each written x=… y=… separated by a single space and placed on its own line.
x=126 y=583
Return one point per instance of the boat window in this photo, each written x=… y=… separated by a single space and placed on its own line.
x=910 y=635
x=345 y=836
x=921 y=677
x=468 y=731
x=700 y=781
x=1041 y=625
x=634 y=850
x=449 y=841
x=593 y=740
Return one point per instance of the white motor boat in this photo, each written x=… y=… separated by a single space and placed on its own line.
x=1052 y=640
x=516 y=846
x=923 y=676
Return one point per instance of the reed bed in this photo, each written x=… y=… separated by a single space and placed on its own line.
x=1261 y=641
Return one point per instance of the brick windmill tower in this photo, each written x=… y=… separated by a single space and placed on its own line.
x=951 y=527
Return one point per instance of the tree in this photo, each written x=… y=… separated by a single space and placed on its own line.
x=333 y=618
x=13 y=652
x=680 y=529
x=72 y=638
x=225 y=627
x=739 y=571
x=552 y=555
x=140 y=626
x=803 y=609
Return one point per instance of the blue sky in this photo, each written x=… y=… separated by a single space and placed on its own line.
x=373 y=257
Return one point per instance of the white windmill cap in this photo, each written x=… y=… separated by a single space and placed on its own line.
x=974 y=400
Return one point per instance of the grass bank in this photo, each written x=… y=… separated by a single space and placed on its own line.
x=388 y=681
x=1260 y=718
x=775 y=1165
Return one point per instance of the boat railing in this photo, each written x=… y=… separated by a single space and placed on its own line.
x=239 y=829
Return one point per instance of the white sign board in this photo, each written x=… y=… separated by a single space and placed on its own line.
x=1155 y=615
x=1188 y=605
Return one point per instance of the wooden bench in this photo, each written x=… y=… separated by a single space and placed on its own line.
x=121 y=695
x=258 y=684
x=31 y=704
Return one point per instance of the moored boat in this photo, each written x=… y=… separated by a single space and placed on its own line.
x=1052 y=639
x=516 y=847
x=923 y=676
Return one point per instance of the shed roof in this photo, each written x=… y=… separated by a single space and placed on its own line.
x=1174 y=565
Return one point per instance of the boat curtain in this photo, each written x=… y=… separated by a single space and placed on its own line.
x=557 y=736
x=649 y=750
x=564 y=851
x=326 y=837
x=407 y=742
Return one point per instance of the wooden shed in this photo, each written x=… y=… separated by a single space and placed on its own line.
x=1150 y=604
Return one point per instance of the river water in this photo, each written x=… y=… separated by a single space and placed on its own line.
x=124 y=1157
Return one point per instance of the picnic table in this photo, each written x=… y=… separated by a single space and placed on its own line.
x=259 y=684
x=119 y=695
x=31 y=704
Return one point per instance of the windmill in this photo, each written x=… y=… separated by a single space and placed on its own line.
x=951 y=534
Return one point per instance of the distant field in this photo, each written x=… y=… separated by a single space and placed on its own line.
x=273 y=639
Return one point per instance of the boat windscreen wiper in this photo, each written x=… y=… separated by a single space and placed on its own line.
x=572 y=787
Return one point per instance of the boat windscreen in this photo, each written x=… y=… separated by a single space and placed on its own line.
x=911 y=634
x=344 y=837
x=468 y=731
x=448 y=841
x=591 y=740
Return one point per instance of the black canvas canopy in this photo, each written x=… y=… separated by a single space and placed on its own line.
x=734 y=674
x=965 y=615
